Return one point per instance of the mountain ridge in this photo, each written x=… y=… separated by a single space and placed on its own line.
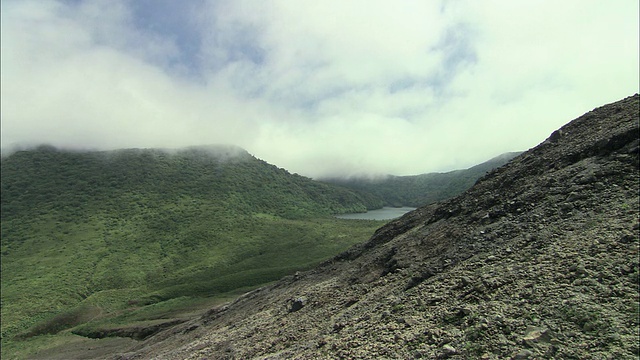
x=146 y=163
x=421 y=189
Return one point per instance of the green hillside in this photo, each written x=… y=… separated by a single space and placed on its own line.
x=419 y=190
x=99 y=238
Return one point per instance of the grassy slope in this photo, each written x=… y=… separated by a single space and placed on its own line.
x=419 y=190
x=98 y=237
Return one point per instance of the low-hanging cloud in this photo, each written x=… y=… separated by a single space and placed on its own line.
x=319 y=88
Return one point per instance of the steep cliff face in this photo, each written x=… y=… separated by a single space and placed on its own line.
x=538 y=259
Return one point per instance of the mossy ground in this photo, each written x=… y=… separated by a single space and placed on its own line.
x=54 y=284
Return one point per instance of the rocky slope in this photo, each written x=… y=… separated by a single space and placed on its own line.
x=538 y=260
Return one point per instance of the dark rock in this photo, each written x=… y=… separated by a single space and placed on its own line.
x=297 y=304
x=417 y=279
x=555 y=136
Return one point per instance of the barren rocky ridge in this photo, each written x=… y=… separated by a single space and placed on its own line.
x=538 y=260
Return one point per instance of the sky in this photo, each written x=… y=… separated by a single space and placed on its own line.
x=320 y=88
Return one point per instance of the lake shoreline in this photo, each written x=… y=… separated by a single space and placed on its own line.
x=386 y=213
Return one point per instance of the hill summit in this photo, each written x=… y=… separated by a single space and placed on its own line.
x=538 y=260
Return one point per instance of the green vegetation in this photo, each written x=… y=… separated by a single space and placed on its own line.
x=95 y=240
x=421 y=189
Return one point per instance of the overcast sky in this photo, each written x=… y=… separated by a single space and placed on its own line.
x=317 y=87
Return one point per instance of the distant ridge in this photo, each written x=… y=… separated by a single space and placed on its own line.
x=419 y=190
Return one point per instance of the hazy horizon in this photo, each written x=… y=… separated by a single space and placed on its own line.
x=239 y=151
x=318 y=88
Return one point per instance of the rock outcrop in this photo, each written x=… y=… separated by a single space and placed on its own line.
x=538 y=260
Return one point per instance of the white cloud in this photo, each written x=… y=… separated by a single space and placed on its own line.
x=316 y=87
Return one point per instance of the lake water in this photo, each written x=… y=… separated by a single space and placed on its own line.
x=386 y=213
